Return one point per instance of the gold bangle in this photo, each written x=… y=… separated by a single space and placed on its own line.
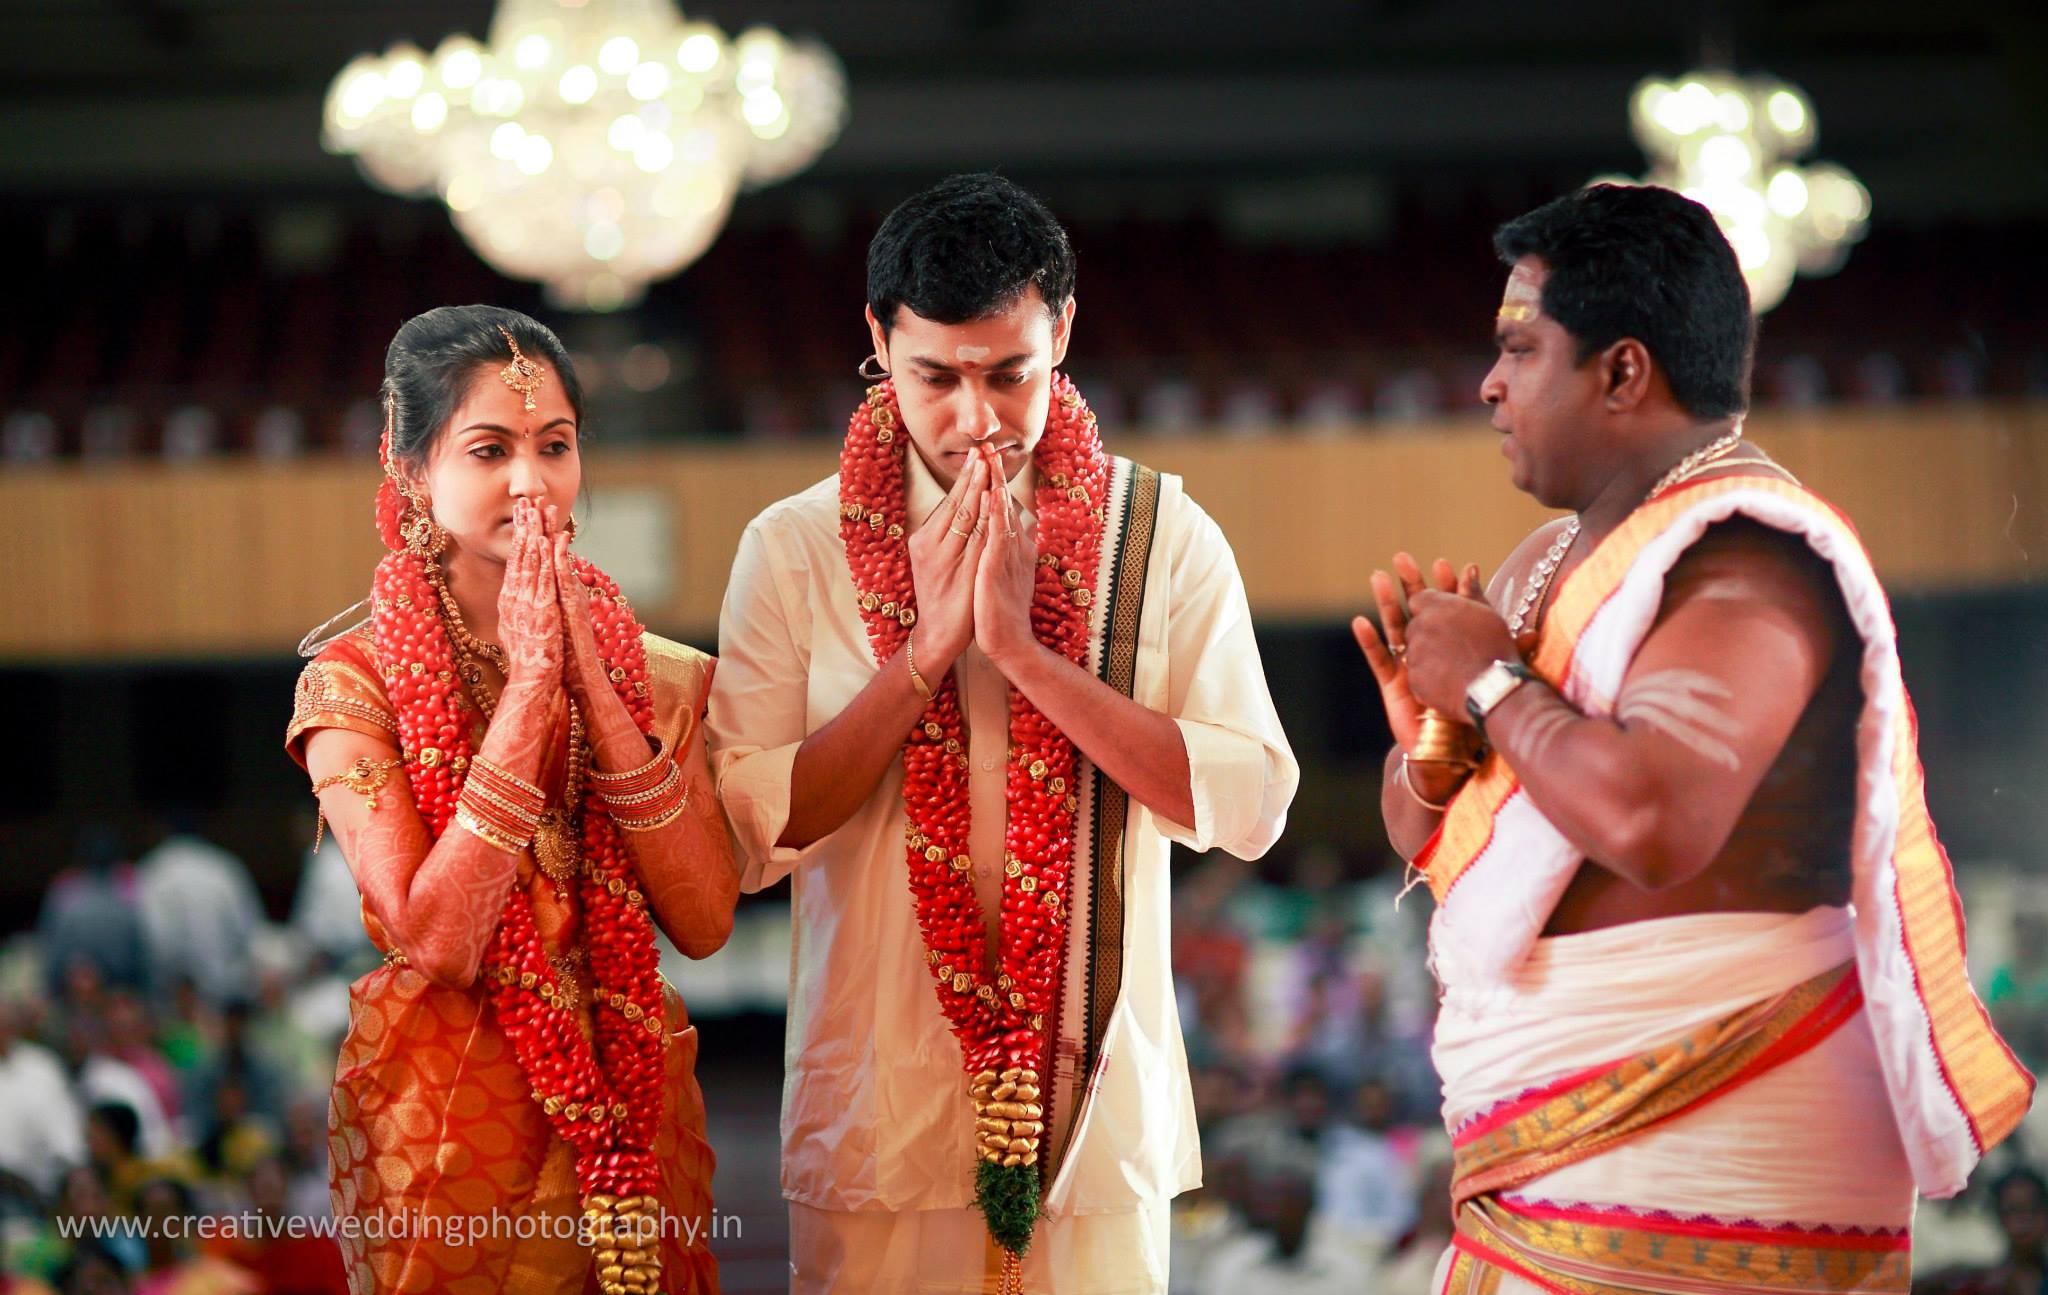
x=625 y=781
x=669 y=774
x=484 y=832
x=524 y=813
x=491 y=769
x=924 y=689
x=517 y=831
x=1409 y=787
x=1439 y=739
x=660 y=820
x=639 y=799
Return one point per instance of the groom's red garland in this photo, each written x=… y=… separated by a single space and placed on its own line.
x=602 y=1095
x=1001 y=1024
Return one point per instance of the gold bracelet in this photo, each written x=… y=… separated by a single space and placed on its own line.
x=924 y=689
x=652 y=796
x=1409 y=787
x=630 y=780
x=659 y=821
x=498 y=800
x=484 y=832
x=491 y=769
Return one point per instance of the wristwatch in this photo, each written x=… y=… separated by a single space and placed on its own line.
x=1494 y=685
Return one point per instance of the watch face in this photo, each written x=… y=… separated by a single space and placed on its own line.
x=1491 y=687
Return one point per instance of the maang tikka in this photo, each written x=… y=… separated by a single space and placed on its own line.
x=522 y=375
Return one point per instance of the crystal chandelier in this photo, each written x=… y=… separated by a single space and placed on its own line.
x=593 y=146
x=1731 y=143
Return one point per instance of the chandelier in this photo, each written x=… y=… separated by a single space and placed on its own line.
x=1731 y=144
x=593 y=146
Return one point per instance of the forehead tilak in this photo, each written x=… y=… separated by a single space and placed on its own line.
x=1522 y=297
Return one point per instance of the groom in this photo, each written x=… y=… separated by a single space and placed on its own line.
x=971 y=687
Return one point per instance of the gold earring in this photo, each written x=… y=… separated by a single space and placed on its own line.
x=571 y=530
x=424 y=537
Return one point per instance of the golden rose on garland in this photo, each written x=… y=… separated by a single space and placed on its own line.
x=1003 y=1023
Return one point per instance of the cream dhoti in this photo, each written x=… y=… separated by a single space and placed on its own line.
x=1757 y=1151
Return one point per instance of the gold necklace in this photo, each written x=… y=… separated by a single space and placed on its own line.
x=556 y=849
x=1546 y=568
x=1696 y=462
x=458 y=629
x=1760 y=461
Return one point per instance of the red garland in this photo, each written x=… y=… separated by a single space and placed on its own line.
x=604 y=1096
x=1001 y=1025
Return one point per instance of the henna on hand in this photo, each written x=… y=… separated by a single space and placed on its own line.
x=529 y=606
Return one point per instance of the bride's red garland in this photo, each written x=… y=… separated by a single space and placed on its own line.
x=1001 y=1024
x=602 y=1095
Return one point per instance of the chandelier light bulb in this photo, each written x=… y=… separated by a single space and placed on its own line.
x=648 y=82
x=700 y=51
x=1787 y=193
x=429 y=111
x=1725 y=159
x=535 y=154
x=404 y=71
x=531 y=53
x=459 y=63
x=1732 y=144
x=1731 y=111
x=594 y=146
x=578 y=84
x=1788 y=113
x=505 y=140
x=619 y=56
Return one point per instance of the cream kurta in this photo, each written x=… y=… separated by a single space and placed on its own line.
x=874 y=1114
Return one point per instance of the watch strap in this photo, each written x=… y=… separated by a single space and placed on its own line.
x=1479 y=713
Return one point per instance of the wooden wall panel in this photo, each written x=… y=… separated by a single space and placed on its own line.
x=240 y=559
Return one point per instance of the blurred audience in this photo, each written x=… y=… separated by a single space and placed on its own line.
x=2020 y=1198
x=177 y=1067
x=147 y=1085
x=2018 y=991
x=42 y=1126
x=282 y=1264
x=1283 y=1248
x=91 y=921
x=200 y=913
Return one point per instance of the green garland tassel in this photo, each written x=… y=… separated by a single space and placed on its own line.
x=1008 y=1198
